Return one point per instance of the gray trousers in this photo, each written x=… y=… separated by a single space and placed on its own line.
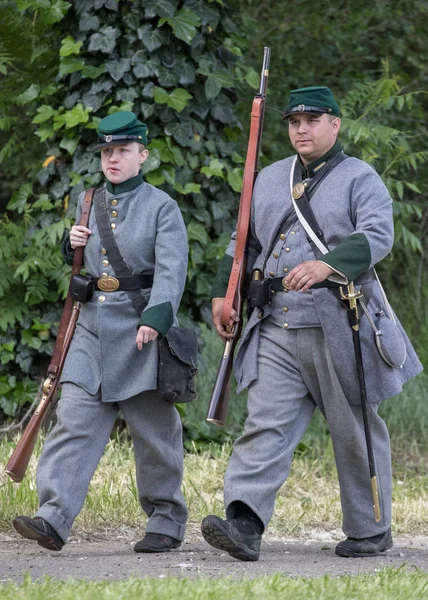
x=74 y=448
x=296 y=375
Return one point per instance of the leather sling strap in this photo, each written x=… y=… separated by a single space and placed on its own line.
x=239 y=260
x=303 y=201
x=291 y=216
x=108 y=241
x=54 y=365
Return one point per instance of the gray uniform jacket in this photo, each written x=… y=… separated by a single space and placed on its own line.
x=351 y=199
x=151 y=236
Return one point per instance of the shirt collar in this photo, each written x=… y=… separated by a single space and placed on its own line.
x=317 y=164
x=125 y=186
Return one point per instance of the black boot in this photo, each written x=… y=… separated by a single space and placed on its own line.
x=372 y=546
x=238 y=537
x=39 y=530
x=156 y=542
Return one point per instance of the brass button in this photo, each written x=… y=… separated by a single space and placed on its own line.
x=271 y=273
x=287 y=249
x=293 y=233
x=114 y=202
x=285 y=309
x=105 y=263
x=105 y=274
x=285 y=270
x=285 y=325
x=275 y=254
x=114 y=213
x=260 y=314
x=103 y=251
x=101 y=299
x=282 y=236
x=113 y=225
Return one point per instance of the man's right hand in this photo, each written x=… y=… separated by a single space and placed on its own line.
x=217 y=310
x=79 y=236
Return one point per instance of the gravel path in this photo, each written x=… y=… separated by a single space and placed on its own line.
x=115 y=559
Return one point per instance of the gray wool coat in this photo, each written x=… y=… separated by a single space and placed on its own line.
x=151 y=236
x=351 y=199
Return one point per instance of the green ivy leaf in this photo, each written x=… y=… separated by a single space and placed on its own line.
x=19 y=198
x=44 y=113
x=104 y=40
x=93 y=72
x=70 y=46
x=234 y=179
x=183 y=24
x=177 y=99
x=70 y=65
x=151 y=38
x=159 y=8
x=252 y=78
x=30 y=94
x=197 y=232
x=69 y=143
x=215 y=81
x=215 y=167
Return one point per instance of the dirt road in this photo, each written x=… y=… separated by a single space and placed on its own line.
x=115 y=559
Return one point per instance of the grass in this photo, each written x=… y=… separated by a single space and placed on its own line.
x=384 y=585
x=309 y=501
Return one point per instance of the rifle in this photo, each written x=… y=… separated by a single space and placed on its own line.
x=20 y=458
x=235 y=291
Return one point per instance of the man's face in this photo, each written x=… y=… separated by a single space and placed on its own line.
x=312 y=135
x=120 y=162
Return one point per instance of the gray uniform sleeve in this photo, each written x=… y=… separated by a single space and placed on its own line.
x=169 y=278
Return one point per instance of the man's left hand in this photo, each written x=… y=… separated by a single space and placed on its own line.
x=145 y=335
x=302 y=277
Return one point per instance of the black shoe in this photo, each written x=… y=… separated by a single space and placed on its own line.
x=231 y=537
x=156 y=542
x=372 y=546
x=39 y=530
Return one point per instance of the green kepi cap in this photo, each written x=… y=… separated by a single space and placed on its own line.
x=120 y=128
x=318 y=99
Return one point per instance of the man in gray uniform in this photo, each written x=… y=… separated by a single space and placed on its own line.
x=296 y=353
x=113 y=358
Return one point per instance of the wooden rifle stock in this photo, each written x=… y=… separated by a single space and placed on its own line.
x=18 y=462
x=20 y=458
x=235 y=291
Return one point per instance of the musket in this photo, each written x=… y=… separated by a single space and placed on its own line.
x=352 y=296
x=20 y=458
x=234 y=298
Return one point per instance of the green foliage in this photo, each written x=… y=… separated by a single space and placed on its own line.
x=179 y=66
x=182 y=66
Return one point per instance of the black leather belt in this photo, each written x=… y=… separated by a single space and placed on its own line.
x=276 y=284
x=109 y=283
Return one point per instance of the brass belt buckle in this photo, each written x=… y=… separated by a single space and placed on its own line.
x=284 y=284
x=106 y=283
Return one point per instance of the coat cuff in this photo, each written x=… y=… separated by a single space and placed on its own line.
x=67 y=251
x=221 y=281
x=350 y=258
x=159 y=317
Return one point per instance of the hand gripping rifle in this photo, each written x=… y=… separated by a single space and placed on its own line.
x=18 y=462
x=352 y=296
x=235 y=292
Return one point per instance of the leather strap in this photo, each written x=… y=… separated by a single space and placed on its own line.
x=54 y=366
x=108 y=241
x=250 y=171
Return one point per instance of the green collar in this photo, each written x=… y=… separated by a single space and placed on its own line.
x=125 y=186
x=313 y=167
